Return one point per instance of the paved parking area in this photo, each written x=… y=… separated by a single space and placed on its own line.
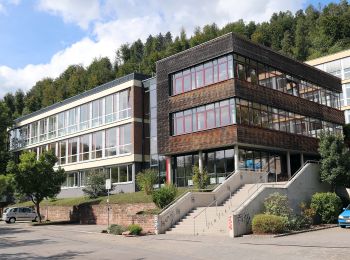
x=21 y=241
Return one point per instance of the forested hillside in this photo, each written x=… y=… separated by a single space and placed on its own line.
x=307 y=34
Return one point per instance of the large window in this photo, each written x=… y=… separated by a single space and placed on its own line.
x=72 y=150
x=111 y=142
x=120 y=174
x=84 y=116
x=256 y=73
x=117 y=106
x=52 y=126
x=125 y=139
x=43 y=130
x=254 y=114
x=205 y=117
x=124 y=104
x=97 y=112
x=62 y=152
x=202 y=75
x=84 y=148
x=62 y=123
x=96 y=147
x=34 y=127
x=72 y=120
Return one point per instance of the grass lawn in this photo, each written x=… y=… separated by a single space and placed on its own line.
x=121 y=198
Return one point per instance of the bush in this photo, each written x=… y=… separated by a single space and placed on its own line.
x=116 y=229
x=277 y=204
x=146 y=179
x=96 y=185
x=299 y=222
x=327 y=206
x=135 y=229
x=163 y=196
x=269 y=224
x=200 y=179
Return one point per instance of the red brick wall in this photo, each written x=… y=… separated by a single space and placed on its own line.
x=122 y=214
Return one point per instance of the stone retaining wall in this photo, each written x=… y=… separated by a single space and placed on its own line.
x=122 y=214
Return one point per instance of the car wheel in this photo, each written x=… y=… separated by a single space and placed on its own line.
x=342 y=226
x=35 y=219
x=12 y=220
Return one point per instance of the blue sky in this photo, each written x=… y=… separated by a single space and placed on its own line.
x=40 y=38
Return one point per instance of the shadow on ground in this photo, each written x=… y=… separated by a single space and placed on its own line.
x=8 y=241
x=26 y=256
x=296 y=245
x=12 y=230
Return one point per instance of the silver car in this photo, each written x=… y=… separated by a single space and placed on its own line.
x=11 y=215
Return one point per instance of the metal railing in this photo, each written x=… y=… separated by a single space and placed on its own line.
x=215 y=201
x=225 y=195
x=276 y=183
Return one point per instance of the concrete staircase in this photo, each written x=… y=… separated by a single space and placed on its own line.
x=212 y=219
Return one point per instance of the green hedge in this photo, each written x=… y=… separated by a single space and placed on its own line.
x=135 y=229
x=116 y=229
x=327 y=206
x=163 y=196
x=269 y=224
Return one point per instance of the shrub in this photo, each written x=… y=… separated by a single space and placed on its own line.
x=146 y=179
x=200 y=178
x=269 y=224
x=96 y=185
x=163 y=196
x=299 y=222
x=277 y=204
x=116 y=229
x=135 y=229
x=327 y=206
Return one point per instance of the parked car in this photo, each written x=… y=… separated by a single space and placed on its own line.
x=11 y=215
x=344 y=217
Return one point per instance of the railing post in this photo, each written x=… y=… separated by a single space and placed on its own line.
x=206 y=221
x=194 y=226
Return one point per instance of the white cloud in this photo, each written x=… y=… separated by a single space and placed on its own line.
x=126 y=22
x=81 y=12
x=5 y=3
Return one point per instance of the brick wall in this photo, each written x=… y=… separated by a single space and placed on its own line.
x=122 y=214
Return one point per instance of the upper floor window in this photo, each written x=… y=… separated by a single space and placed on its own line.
x=43 y=129
x=84 y=116
x=34 y=132
x=72 y=114
x=204 y=117
x=202 y=75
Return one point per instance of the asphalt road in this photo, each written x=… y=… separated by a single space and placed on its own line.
x=21 y=241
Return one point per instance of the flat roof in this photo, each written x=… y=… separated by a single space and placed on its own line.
x=113 y=83
x=245 y=47
x=329 y=58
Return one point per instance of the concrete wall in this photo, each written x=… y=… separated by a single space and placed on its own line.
x=191 y=200
x=299 y=189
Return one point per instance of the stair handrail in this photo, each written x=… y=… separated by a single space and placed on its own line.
x=220 y=196
x=273 y=184
x=257 y=184
x=302 y=166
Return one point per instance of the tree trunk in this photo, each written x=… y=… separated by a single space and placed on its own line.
x=37 y=207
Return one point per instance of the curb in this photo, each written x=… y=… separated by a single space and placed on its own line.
x=305 y=231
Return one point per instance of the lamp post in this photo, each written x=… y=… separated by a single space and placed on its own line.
x=108 y=188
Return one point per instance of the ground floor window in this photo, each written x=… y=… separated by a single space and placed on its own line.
x=118 y=174
x=220 y=163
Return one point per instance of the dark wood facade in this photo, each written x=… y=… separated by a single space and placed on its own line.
x=238 y=134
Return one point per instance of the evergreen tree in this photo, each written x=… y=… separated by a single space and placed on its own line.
x=287 y=44
x=19 y=102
